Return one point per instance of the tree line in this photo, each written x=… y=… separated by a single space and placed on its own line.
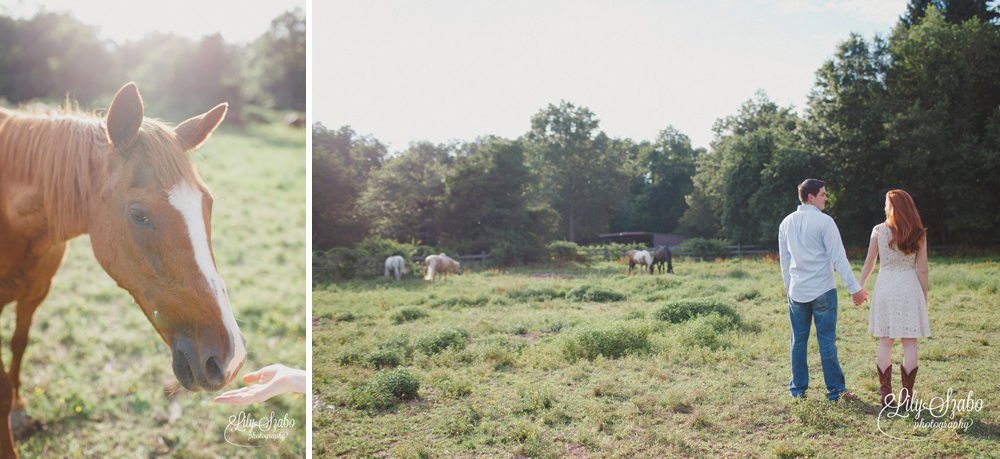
x=53 y=55
x=918 y=109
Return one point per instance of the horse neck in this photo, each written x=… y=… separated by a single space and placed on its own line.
x=46 y=174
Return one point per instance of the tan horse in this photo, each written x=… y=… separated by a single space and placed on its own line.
x=127 y=181
x=440 y=265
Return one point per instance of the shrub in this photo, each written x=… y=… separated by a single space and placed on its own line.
x=385 y=389
x=499 y=350
x=437 y=341
x=683 y=310
x=590 y=294
x=346 y=268
x=460 y=301
x=519 y=328
x=704 y=330
x=385 y=358
x=532 y=400
x=535 y=294
x=408 y=315
x=565 y=251
x=464 y=422
x=612 y=341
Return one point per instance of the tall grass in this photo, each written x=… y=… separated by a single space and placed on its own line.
x=693 y=364
x=98 y=378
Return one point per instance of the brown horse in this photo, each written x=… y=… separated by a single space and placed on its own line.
x=127 y=181
x=639 y=257
x=662 y=255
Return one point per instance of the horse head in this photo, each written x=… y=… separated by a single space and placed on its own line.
x=150 y=226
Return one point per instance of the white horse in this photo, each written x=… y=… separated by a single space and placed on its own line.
x=440 y=264
x=639 y=257
x=395 y=264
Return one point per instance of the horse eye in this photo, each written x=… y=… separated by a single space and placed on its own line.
x=139 y=218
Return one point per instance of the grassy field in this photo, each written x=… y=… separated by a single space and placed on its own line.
x=97 y=376
x=529 y=363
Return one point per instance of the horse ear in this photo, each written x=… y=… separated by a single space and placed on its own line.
x=195 y=131
x=125 y=116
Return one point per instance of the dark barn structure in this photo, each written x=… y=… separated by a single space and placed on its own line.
x=650 y=239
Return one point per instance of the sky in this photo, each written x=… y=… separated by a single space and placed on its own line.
x=442 y=70
x=239 y=21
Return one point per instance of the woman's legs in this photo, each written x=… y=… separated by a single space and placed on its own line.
x=909 y=353
x=884 y=358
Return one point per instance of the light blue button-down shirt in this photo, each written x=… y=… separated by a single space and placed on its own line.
x=810 y=248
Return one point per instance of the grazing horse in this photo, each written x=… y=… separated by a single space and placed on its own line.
x=638 y=257
x=440 y=264
x=395 y=264
x=127 y=181
x=662 y=255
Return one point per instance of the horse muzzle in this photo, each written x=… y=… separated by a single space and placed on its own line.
x=205 y=369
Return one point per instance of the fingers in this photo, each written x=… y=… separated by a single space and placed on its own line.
x=244 y=396
x=264 y=374
x=252 y=377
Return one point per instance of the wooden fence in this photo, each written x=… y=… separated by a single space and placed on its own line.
x=732 y=251
x=366 y=268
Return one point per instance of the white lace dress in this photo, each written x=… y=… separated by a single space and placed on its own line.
x=898 y=308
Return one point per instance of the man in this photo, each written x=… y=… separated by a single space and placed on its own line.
x=810 y=247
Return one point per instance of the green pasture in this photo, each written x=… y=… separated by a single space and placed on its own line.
x=98 y=378
x=584 y=361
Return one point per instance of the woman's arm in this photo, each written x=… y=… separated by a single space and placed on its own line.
x=872 y=256
x=922 y=273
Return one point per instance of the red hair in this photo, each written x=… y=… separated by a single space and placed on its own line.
x=903 y=219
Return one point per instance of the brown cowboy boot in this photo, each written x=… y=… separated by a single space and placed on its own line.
x=907 y=392
x=885 y=392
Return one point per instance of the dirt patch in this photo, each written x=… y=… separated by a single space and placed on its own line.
x=575 y=450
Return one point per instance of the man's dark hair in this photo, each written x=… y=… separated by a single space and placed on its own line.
x=810 y=187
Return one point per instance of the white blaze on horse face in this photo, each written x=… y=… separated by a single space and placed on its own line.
x=188 y=201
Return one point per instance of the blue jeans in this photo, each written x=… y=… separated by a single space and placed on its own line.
x=824 y=310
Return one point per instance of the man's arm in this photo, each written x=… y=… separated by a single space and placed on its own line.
x=835 y=251
x=785 y=256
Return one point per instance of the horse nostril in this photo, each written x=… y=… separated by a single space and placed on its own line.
x=213 y=371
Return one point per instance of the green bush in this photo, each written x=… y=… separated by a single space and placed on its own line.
x=565 y=251
x=683 y=310
x=346 y=268
x=462 y=423
x=436 y=341
x=499 y=350
x=612 y=341
x=704 y=330
x=591 y=294
x=408 y=315
x=386 y=389
x=385 y=358
x=460 y=301
x=534 y=294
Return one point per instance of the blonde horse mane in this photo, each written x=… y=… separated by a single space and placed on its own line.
x=60 y=154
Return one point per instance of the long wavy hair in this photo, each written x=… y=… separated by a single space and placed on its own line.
x=903 y=220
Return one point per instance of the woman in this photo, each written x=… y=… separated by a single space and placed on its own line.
x=899 y=302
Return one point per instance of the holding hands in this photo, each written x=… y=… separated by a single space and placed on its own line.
x=860 y=297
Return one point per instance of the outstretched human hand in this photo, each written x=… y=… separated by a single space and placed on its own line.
x=860 y=297
x=271 y=380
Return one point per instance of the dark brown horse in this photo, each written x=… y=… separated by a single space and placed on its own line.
x=127 y=181
x=662 y=255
